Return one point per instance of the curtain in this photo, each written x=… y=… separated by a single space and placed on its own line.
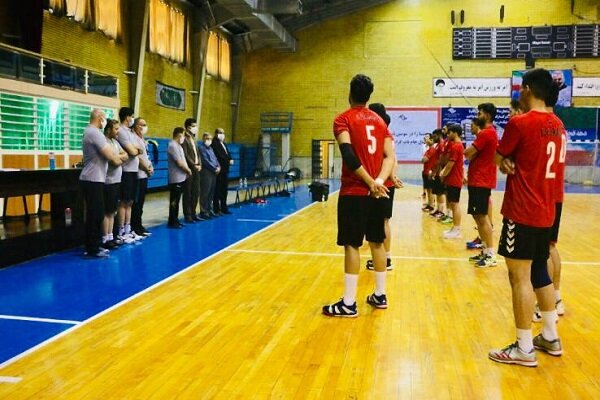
x=212 y=55
x=108 y=17
x=79 y=10
x=225 y=60
x=167 y=31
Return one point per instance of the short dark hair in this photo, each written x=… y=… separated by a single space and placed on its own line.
x=125 y=112
x=188 y=122
x=514 y=104
x=456 y=129
x=540 y=83
x=379 y=109
x=177 y=131
x=553 y=95
x=361 y=88
x=438 y=81
x=478 y=122
x=488 y=108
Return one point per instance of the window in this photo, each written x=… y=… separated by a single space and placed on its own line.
x=218 y=57
x=106 y=15
x=167 y=31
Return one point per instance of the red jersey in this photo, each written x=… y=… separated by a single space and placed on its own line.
x=560 y=169
x=455 y=152
x=367 y=134
x=431 y=155
x=482 y=169
x=533 y=141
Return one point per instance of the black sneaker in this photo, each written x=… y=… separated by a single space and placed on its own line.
x=377 y=301
x=110 y=245
x=370 y=266
x=340 y=309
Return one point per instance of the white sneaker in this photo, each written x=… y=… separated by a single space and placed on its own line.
x=452 y=234
x=560 y=307
x=136 y=237
x=125 y=239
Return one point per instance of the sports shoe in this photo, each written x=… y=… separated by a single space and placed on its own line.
x=118 y=240
x=552 y=347
x=109 y=245
x=512 y=354
x=475 y=259
x=452 y=234
x=127 y=239
x=440 y=216
x=101 y=253
x=447 y=220
x=427 y=208
x=436 y=214
x=486 y=261
x=370 y=266
x=560 y=307
x=340 y=309
x=377 y=301
x=474 y=244
x=135 y=236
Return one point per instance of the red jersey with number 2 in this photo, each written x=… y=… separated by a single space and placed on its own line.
x=533 y=141
x=367 y=134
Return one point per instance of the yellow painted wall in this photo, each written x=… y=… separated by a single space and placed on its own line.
x=64 y=39
x=216 y=106
x=401 y=45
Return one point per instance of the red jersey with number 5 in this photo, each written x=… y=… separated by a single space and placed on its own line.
x=367 y=134
x=533 y=141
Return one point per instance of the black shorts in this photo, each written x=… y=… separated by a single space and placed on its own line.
x=556 y=225
x=479 y=200
x=427 y=182
x=438 y=187
x=129 y=186
x=452 y=194
x=389 y=203
x=111 y=197
x=523 y=242
x=360 y=216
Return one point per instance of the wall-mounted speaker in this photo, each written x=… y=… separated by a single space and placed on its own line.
x=462 y=17
x=452 y=19
x=502 y=13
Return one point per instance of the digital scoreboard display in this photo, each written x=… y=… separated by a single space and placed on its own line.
x=533 y=42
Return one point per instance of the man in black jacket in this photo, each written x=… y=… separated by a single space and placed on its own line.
x=225 y=161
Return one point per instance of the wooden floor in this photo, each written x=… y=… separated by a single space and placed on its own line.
x=246 y=324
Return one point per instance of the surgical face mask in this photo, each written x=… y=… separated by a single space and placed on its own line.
x=103 y=123
x=208 y=142
x=194 y=130
x=144 y=130
x=131 y=122
x=181 y=140
x=221 y=136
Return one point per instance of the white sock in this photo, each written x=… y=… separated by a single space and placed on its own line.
x=525 y=339
x=350 y=286
x=388 y=254
x=105 y=238
x=549 y=331
x=380 y=282
x=127 y=229
x=557 y=295
x=489 y=251
x=111 y=237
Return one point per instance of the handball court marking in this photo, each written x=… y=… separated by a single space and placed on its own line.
x=78 y=325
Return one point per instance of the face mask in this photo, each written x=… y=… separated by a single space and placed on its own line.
x=103 y=123
x=221 y=136
x=131 y=122
x=208 y=142
x=181 y=140
x=194 y=130
x=144 y=130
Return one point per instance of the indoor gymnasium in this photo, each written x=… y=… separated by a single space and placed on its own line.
x=299 y=199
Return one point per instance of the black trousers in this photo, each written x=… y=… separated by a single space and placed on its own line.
x=207 y=182
x=221 y=187
x=138 y=205
x=191 y=194
x=175 y=191
x=93 y=193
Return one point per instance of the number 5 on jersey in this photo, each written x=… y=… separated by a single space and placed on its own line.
x=372 y=139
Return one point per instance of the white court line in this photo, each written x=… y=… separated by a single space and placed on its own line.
x=35 y=319
x=148 y=289
x=300 y=253
x=256 y=220
x=10 y=379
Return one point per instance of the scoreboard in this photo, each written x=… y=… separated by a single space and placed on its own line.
x=533 y=42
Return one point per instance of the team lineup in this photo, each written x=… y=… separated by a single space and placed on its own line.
x=531 y=153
